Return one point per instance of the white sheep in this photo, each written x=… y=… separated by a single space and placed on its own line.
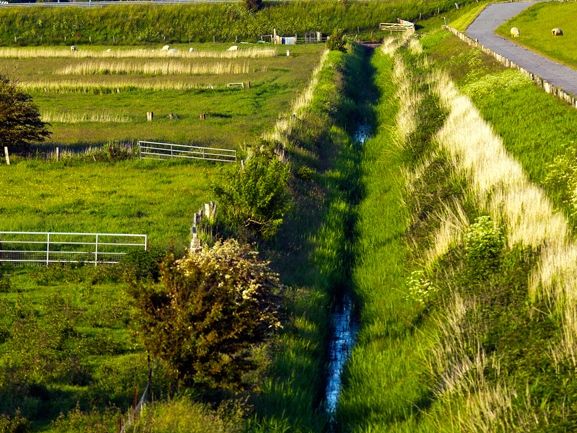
x=73 y=48
x=233 y=48
x=557 y=31
x=515 y=32
x=165 y=48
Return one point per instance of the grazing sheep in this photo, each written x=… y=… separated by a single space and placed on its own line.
x=515 y=32
x=73 y=48
x=165 y=48
x=190 y=50
x=557 y=31
x=233 y=48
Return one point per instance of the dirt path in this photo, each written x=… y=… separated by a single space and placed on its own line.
x=483 y=29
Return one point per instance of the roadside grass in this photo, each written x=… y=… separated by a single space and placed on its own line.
x=535 y=24
x=157 y=198
x=233 y=116
x=536 y=128
x=466 y=16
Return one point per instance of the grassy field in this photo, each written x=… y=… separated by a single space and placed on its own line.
x=95 y=99
x=142 y=196
x=535 y=26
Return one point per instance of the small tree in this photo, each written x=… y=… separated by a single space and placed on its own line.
x=253 y=5
x=214 y=308
x=337 y=41
x=255 y=198
x=20 y=121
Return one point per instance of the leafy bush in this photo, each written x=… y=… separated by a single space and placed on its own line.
x=254 y=200
x=420 y=288
x=484 y=244
x=337 y=41
x=215 y=307
x=253 y=5
x=15 y=424
x=139 y=266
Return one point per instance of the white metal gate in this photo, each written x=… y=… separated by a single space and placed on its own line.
x=63 y=247
x=153 y=149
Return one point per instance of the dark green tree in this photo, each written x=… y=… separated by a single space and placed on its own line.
x=214 y=308
x=20 y=121
x=254 y=200
x=253 y=5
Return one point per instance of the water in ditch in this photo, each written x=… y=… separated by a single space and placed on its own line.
x=343 y=329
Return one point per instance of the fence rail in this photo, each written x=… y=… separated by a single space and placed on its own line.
x=156 y=150
x=64 y=247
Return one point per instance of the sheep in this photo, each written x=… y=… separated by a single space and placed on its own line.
x=557 y=31
x=73 y=48
x=165 y=48
x=172 y=51
x=233 y=48
x=515 y=32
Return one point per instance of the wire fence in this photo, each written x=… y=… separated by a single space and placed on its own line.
x=63 y=247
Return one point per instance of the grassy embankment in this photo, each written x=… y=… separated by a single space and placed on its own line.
x=479 y=335
x=105 y=96
x=536 y=127
x=138 y=24
x=535 y=24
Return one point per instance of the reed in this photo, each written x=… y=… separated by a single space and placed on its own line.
x=137 y=53
x=155 y=68
x=102 y=117
x=126 y=85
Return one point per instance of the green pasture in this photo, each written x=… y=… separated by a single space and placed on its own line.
x=157 y=198
x=535 y=26
x=94 y=109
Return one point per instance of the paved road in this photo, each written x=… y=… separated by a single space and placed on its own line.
x=483 y=29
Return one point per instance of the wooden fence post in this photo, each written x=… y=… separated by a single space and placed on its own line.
x=57 y=153
x=7 y=155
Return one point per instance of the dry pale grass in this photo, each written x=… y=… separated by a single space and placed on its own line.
x=284 y=125
x=503 y=189
x=80 y=86
x=409 y=100
x=453 y=223
x=27 y=53
x=53 y=117
x=155 y=68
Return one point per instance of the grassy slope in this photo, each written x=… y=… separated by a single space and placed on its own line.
x=535 y=26
x=516 y=111
x=184 y=23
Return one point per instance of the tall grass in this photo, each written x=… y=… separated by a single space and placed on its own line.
x=126 y=85
x=155 y=68
x=139 y=53
x=50 y=117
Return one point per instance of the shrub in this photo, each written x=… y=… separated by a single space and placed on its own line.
x=337 y=41
x=253 y=5
x=15 y=424
x=484 y=244
x=214 y=308
x=254 y=200
x=420 y=288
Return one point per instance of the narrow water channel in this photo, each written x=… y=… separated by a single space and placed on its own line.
x=343 y=328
